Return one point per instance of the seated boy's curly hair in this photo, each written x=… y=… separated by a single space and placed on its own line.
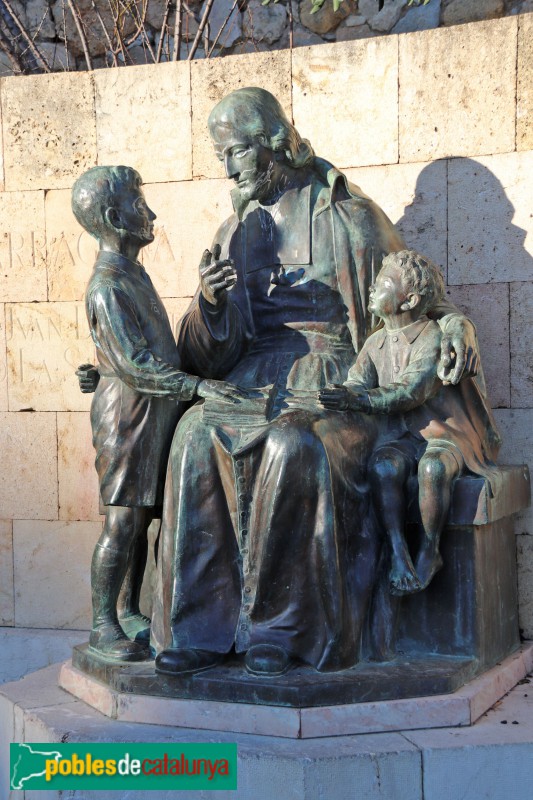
x=419 y=275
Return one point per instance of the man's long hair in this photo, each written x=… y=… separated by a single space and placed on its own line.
x=257 y=114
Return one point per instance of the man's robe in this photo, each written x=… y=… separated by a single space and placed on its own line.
x=267 y=534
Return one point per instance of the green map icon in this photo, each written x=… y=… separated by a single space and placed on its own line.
x=29 y=763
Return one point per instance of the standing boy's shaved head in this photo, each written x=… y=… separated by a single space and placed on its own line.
x=96 y=190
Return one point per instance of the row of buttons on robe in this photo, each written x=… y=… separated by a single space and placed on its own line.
x=243 y=513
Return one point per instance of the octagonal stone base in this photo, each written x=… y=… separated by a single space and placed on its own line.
x=460 y=708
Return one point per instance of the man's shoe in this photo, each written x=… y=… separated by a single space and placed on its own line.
x=109 y=640
x=180 y=662
x=267 y=660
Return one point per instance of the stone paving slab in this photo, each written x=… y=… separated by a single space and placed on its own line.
x=26 y=650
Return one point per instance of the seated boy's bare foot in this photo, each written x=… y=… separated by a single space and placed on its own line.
x=403 y=577
x=428 y=563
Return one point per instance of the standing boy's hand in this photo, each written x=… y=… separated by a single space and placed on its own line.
x=217 y=278
x=88 y=377
x=220 y=390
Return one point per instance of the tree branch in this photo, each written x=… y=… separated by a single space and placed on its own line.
x=27 y=38
x=232 y=9
x=106 y=33
x=81 y=34
x=162 y=34
x=177 y=32
x=199 y=32
x=6 y=46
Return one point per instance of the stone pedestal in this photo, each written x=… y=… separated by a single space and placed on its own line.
x=470 y=609
x=173 y=705
x=301 y=687
x=491 y=759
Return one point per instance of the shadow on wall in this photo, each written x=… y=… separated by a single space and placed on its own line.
x=483 y=244
x=485 y=252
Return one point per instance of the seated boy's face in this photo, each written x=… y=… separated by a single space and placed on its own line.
x=387 y=294
x=135 y=215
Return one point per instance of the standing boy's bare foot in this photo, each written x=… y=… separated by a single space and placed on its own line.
x=403 y=577
x=428 y=563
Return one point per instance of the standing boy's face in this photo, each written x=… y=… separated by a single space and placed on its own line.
x=135 y=216
x=387 y=294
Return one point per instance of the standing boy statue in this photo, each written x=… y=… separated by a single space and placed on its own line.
x=136 y=404
x=442 y=430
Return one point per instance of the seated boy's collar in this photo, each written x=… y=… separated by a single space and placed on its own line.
x=411 y=331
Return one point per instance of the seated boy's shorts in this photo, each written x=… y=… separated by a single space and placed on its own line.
x=413 y=449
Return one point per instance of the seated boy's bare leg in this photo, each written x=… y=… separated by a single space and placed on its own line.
x=388 y=471
x=108 y=568
x=403 y=576
x=436 y=472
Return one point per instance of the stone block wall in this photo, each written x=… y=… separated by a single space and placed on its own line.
x=436 y=126
x=147 y=28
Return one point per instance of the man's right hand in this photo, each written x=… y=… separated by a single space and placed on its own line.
x=88 y=377
x=220 y=390
x=217 y=278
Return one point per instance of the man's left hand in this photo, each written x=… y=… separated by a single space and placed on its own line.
x=459 y=354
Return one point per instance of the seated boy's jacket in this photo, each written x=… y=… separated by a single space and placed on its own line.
x=398 y=368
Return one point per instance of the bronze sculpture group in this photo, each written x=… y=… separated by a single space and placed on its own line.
x=286 y=482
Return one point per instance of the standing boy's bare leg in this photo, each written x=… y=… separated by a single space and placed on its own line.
x=135 y=624
x=108 y=568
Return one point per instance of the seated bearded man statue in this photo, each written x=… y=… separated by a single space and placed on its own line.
x=269 y=545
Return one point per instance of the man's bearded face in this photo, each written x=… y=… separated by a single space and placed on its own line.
x=252 y=166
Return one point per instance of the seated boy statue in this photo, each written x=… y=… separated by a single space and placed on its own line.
x=135 y=407
x=440 y=430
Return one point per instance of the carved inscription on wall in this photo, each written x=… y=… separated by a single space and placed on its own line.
x=22 y=247
x=45 y=344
